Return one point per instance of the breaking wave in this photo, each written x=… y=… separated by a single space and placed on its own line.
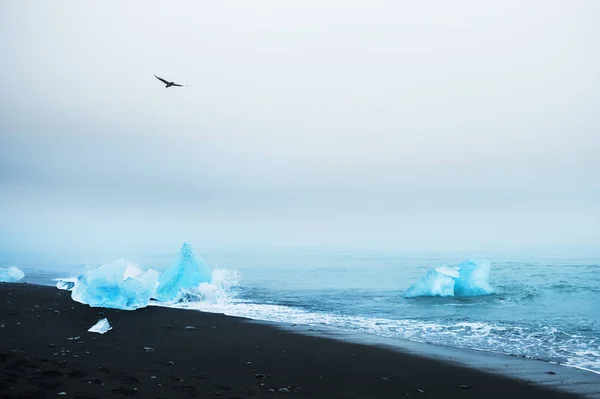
x=221 y=289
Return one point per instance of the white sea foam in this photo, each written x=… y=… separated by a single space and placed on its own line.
x=219 y=291
x=508 y=339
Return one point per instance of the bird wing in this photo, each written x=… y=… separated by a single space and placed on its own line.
x=161 y=79
x=175 y=84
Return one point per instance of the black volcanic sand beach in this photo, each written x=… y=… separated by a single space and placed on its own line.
x=46 y=351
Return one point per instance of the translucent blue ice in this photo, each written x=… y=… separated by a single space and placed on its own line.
x=469 y=278
x=101 y=327
x=474 y=279
x=118 y=285
x=10 y=274
x=187 y=273
x=66 y=284
x=437 y=282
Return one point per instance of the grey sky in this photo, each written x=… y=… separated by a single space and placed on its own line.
x=431 y=125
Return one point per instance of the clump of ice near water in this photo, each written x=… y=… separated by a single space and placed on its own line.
x=123 y=285
x=188 y=272
x=101 y=327
x=437 y=282
x=65 y=283
x=469 y=278
x=10 y=274
x=474 y=279
x=117 y=285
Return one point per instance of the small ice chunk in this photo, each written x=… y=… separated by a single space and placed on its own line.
x=10 y=274
x=118 y=285
x=66 y=284
x=101 y=327
x=187 y=273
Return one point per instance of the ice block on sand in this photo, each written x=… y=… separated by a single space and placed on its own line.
x=10 y=274
x=118 y=285
x=101 y=327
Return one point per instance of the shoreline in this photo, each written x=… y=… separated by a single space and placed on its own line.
x=460 y=355
x=211 y=359
x=429 y=349
x=573 y=379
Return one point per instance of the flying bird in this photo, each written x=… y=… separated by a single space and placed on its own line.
x=168 y=84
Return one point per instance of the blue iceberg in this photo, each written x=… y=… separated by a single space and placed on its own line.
x=187 y=273
x=437 y=282
x=10 y=274
x=117 y=285
x=474 y=279
x=469 y=278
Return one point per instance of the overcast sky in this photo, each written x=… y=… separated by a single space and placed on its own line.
x=367 y=124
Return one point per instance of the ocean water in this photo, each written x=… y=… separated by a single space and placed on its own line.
x=546 y=307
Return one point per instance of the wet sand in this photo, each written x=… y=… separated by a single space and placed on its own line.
x=45 y=350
